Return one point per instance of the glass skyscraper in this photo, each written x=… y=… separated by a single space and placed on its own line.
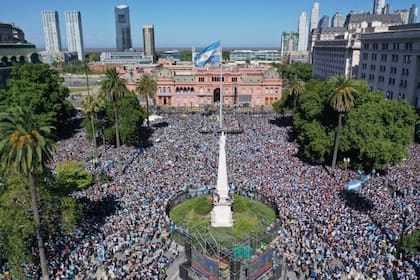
x=378 y=6
x=51 y=29
x=122 y=28
x=289 y=42
x=74 y=33
x=149 y=40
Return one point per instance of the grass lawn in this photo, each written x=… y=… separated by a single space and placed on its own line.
x=251 y=218
x=78 y=89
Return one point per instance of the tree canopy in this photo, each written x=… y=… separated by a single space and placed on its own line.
x=130 y=120
x=376 y=131
x=38 y=88
x=303 y=71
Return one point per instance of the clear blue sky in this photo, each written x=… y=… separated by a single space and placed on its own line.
x=181 y=23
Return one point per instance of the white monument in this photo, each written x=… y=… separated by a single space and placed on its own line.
x=221 y=215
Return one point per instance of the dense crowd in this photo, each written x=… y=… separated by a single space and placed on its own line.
x=326 y=234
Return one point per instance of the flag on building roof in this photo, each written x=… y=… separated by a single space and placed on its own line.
x=210 y=54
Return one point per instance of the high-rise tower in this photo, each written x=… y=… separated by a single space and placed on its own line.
x=324 y=22
x=289 y=42
x=51 y=29
x=149 y=40
x=314 y=17
x=412 y=17
x=74 y=33
x=303 y=32
x=122 y=28
x=314 y=23
x=337 y=20
x=378 y=6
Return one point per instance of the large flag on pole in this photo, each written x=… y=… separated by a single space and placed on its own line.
x=210 y=54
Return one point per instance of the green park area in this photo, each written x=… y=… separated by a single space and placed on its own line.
x=251 y=219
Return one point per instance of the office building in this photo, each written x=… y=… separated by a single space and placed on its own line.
x=336 y=57
x=289 y=42
x=149 y=40
x=404 y=14
x=337 y=20
x=255 y=55
x=122 y=28
x=387 y=9
x=389 y=62
x=412 y=17
x=127 y=57
x=174 y=55
x=378 y=6
x=314 y=16
x=74 y=33
x=303 y=33
x=361 y=23
x=324 y=22
x=336 y=51
x=313 y=23
x=51 y=29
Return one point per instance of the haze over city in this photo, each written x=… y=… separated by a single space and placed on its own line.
x=181 y=23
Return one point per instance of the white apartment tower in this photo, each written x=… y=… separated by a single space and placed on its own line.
x=314 y=17
x=149 y=40
x=378 y=6
x=313 y=23
x=122 y=28
x=412 y=18
x=337 y=20
x=303 y=32
x=51 y=29
x=74 y=33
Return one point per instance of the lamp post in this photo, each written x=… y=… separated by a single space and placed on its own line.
x=346 y=161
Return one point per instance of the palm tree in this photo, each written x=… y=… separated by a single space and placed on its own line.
x=26 y=147
x=85 y=67
x=92 y=105
x=112 y=88
x=294 y=88
x=342 y=100
x=146 y=86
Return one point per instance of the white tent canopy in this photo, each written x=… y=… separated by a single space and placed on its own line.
x=154 y=118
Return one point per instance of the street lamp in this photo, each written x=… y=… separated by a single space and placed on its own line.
x=346 y=161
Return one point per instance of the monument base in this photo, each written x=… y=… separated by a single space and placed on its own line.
x=221 y=216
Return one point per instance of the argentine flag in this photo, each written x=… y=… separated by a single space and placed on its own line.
x=211 y=53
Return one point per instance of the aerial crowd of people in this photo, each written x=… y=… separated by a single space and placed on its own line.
x=326 y=233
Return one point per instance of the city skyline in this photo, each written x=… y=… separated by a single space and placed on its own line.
x=180 y=24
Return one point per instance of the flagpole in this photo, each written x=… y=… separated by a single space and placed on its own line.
x=221 y=87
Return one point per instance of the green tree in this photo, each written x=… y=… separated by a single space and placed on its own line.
x=146 y=87
x=378 y=131
x=92 y=105
x=113 y=88
x=26 y=147
x=303 y=71
x=342 y=99
x=71 y=176
x=294 y=88
x=15 y=205
x=39 y=88
x=131 y=120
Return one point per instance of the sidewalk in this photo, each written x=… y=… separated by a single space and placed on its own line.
x=173 y=270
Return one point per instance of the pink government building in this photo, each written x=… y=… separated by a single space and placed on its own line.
x=188 y=86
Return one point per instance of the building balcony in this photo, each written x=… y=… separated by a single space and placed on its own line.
x=164 y=94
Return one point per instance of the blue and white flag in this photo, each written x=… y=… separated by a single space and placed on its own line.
x=211 y=53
